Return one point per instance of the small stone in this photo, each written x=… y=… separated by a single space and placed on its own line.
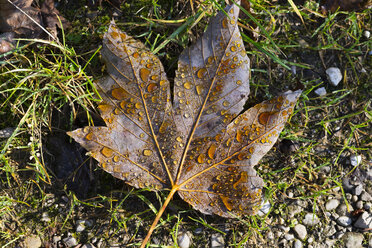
x=32 y=241
x=310 y=240
x=358 y=190
x=45 y=217
x=342 y=209
x=355 y=160
x=184 y=240
x=294 y=209
x=70 y=241
x=284 y=228
x=367 y=34
x=332 y=204
x=330 y=243
x=297 y=244
x=310 y=219
x=321 y=91
x=288 y=236
x=329 y=230
x=339 y=235
x=300 y=231
x=355 y=197
x=344 y=221
x=198 y=230
x=365 y=196
x=364 y=221
x=264 y=209
x=359 y=205
x=217 y=241
x=353 y=240
x=270 y=235
x=334 y=75
x=293 y=69
x=367 y=206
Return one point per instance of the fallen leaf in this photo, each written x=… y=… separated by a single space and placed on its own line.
x=200 y=145
x=27 y=21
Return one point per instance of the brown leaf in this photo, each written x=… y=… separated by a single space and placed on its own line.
x=199 y=146
x=13 y=20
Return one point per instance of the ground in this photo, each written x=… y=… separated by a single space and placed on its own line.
x=54 y=194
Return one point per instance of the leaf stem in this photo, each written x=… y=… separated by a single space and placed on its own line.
x=160 y=213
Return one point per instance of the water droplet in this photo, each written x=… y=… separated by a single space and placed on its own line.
x=210 y=60
x=107 y=152
x=199 y=89
x=239 y=82
x=144 y=74
x=135 y=55
x=226 y=103
x=227 y=54
x=162 y=82
x=116 y=159
x=187 y=85
x=212 y=151
x=89 y=136
x=142 y=135
x=151 y=87
x=186 y=115
x=123 y=36
x=154 y=77
x=147 y=152
x=179 y=139
x=232 y=22
x=201 y=73
x=265 y=117
x=224 y=23
x=149 y=66
x=114 y=34
x=180 y=94
x=239 y=136
x=182 y=75
x=233 y=48
x=226 y=202
x=201 y=158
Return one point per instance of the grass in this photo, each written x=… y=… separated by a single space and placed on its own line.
x=46 y=89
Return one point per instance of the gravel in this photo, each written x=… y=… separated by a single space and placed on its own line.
x=217 y=241
x=344 y=221
x=355 y=160
x=310 y=219
x=332 y=204
x=334 y=75
x=353 y=240
x=184 y=240
x=321 y=91
x=32 y=241
x=300 y=231
x=364 y=221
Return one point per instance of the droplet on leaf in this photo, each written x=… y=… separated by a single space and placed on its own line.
x=187 y=85
x=144 y=74
x=107 y=152
x=212 y=151
x=147 y=152
x=201 y=73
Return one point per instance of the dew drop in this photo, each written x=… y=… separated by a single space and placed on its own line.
x=142 y=135
x=265 y=117
x=144 y=74
x=151 y=87
x=107 y=152
x=226 y=103
x=89 y=136
x=116 y=159
x=147 y=152
x=187 y=85
x=199 y=90
x=212 y=151
x=232 y=22
x=180 y=94
x=137 y=105
x=233 y=48
x=186 y=115
x=162 y=82
x=239 y=136
x=239 y=82
x=179 y=139
x=224 y=23
x=135 y=55
x=154 y=77
x=201 y=158
x=149 y=66
x=201 y=73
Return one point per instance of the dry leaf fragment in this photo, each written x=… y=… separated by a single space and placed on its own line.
x=199 y=146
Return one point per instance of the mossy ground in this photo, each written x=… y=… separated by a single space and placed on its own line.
x=46 y=89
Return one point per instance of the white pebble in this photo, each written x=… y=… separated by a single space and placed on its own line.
x=367 y=34
x=344 y=221
x=297 y=244
x=310 y=219
x=217 y=241
x=264 y=209
x=183 y=240
x=355 y=160
x=334 y=75
x=320 y=91
x=332 y=204
x=301 y=231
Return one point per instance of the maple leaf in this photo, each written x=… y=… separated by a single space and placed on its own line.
x=199 y=145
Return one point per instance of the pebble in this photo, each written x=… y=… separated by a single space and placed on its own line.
x=367 y=34
x=294 y=209
x=293 y=69
x=365 y=196
x=367 y=206
x=264 y=209
x=69 y=241
x=321 y=91
x=355 y=197
x=284 y=228
x=217 y=241
x=45 y=217
x=364 y=221
x=288 y=236
x=300 y=231
x=32 y=241
x=334 y=75
x=344 y=221
x=332 y=204
x=184 y=240
x=310 y=240
x=353 y=240
x=310 y=219
x=270 y=235
x=56 y=239
x=358 y=190
x=355 y=160
x=198 y=230
x=342 y=209
x=330 y=230
x=359 y=205
x=297 y=244
x=87 y=246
